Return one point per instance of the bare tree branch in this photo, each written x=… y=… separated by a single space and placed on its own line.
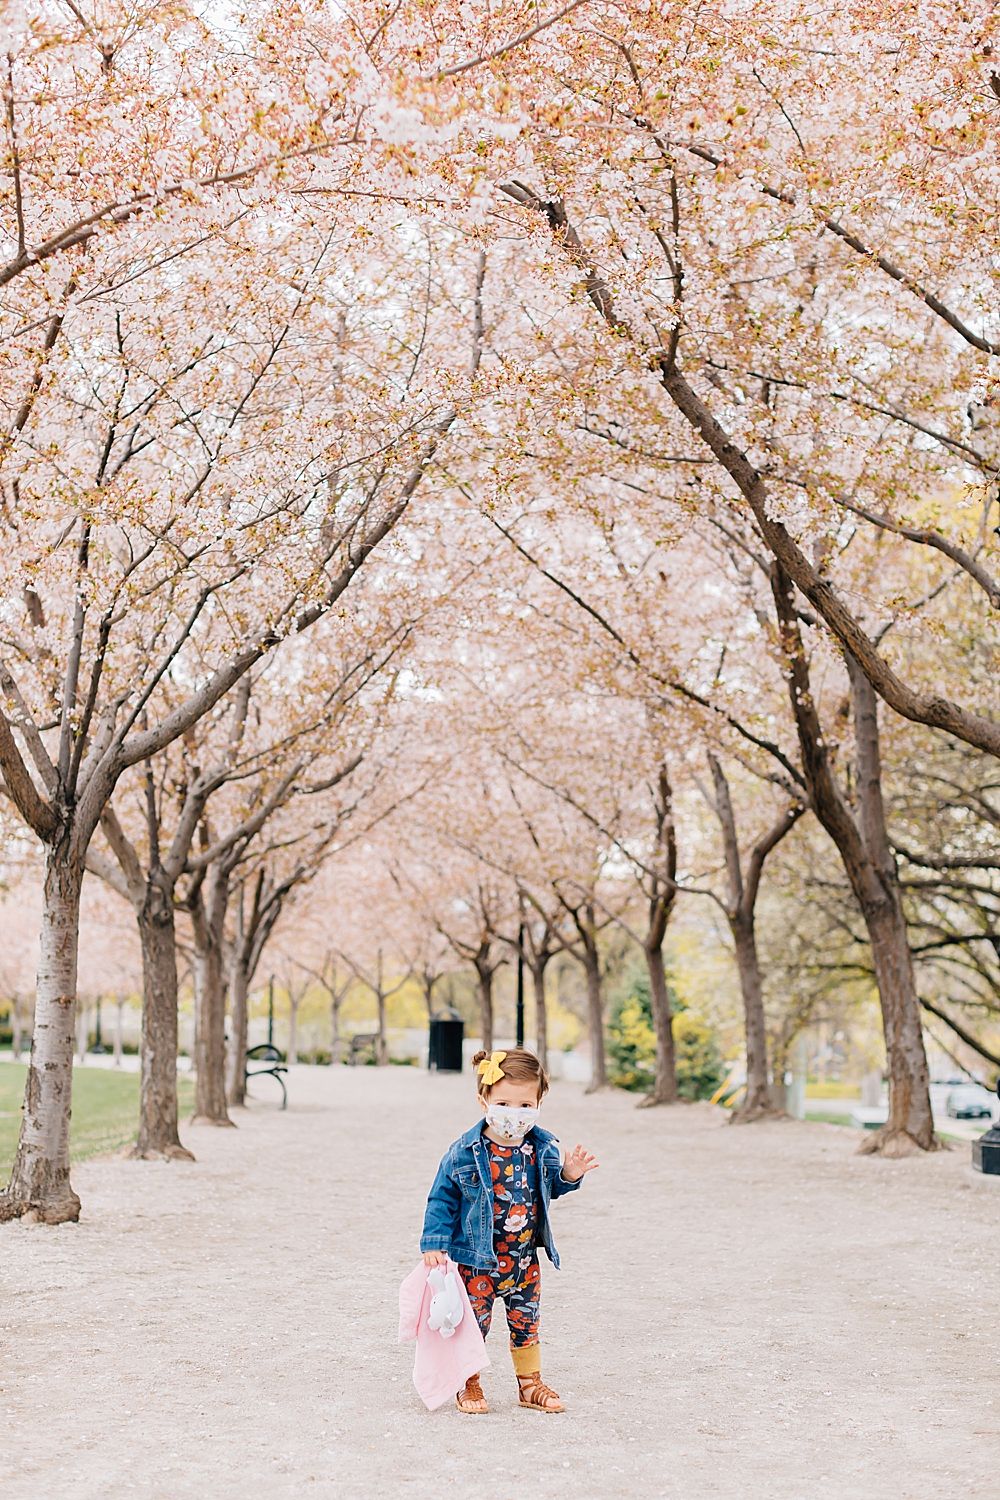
x=928 y=537
x=26 y=724
x=505 y=47
x=884 y=264
x=37 y=813
x=675 y=687
x=960 y=1031
x=119 y=211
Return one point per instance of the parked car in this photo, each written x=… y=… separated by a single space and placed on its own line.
x=969 y=1102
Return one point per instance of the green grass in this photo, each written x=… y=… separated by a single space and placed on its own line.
x=831 y=1119
x=105 y=1110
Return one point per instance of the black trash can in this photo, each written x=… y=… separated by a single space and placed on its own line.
x=447 y=1030
x=986 y=1151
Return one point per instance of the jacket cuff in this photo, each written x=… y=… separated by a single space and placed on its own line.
x=567 y=1186
x=434 y=1242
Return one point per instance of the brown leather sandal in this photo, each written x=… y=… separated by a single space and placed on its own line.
x=535 y=1395
x=471 y=1400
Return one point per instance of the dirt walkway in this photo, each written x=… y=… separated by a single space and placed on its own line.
x=741 y=1313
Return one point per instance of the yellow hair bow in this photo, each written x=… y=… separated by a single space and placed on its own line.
x=490 y=1070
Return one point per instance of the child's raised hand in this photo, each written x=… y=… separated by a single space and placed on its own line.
x=435 y=1258
x=578 y=1162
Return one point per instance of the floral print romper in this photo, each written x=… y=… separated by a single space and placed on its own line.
x=515 y=1229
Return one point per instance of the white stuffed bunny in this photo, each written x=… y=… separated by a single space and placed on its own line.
x=447 y=1307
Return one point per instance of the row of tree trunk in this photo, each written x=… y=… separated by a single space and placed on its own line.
x=859 y=832
x=861 y=837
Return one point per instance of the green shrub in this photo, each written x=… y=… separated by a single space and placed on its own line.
x=632 y=1047
x=700 y=1068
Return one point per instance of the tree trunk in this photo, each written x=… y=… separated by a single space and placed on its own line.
x=665 y=1088
x=486 y=1005
x=662 y=893
x=541 y=1014
x=248 y=944
x=207 y=921
x=39 y=1182
x=868 y=863
x=119 y=1019
x=757 y=1099
x=381 y=1047
x=238 y=986
x=292 y=1055
x=158 y=1138
x=15 y=1026
x=595 y=1009
x=910 y=1123
x=910 y=1118
x=335 y=1002
x=779 y=1055
x=740 y=914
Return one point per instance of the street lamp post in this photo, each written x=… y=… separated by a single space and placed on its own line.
x=98 y=1048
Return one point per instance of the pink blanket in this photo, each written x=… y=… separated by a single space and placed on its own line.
x=442 y=1366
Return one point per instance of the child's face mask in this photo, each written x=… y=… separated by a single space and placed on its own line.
x=510 y=1124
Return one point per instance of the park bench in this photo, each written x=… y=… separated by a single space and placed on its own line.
x=362 y=1041
x=869 y=1116
x=270 y=1062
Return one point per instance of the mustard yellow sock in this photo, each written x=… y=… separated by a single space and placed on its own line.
x=527 y=1361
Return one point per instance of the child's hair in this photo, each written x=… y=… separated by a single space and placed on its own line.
x=519 y=1065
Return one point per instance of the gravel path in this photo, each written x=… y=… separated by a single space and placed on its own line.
x=742 y=1312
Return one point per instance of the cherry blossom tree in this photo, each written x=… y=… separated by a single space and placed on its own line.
x=537 y=942
x=336 y=982
x=700 y=197
x=725 y=446
x=469 y=923
x=740 y=908
x=126 y=583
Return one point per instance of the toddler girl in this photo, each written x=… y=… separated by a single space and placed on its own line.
x=489 y=1210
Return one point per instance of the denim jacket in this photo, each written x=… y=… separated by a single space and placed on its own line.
x=459 y=1216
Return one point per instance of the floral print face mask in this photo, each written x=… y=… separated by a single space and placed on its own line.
x=510 y=1124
